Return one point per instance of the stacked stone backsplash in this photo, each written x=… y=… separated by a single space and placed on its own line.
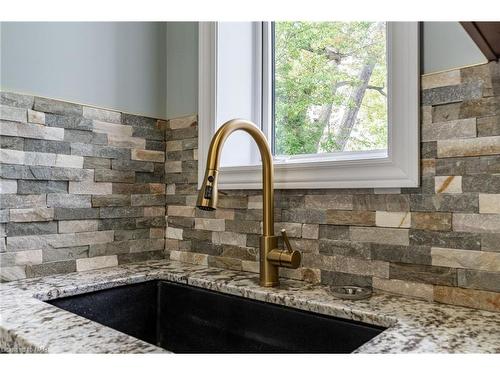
x=81 y=188
x=438 y=242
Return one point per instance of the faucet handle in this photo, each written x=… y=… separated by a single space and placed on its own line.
x=286 y=241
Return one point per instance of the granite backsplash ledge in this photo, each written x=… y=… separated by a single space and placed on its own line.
x=438 y=242
x=81 y=187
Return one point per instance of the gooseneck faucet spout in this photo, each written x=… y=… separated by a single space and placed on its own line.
x=271 y=258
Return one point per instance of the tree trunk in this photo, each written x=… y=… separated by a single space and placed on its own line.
x=355 y=100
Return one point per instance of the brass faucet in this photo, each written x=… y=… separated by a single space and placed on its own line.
x=270 y=257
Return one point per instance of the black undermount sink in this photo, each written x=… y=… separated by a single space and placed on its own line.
x=186 y=319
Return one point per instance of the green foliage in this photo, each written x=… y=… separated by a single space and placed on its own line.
x=317 y=65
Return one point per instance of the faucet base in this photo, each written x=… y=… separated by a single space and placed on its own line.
x=269 y=275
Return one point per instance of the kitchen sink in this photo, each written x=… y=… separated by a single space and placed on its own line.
x=186 y=319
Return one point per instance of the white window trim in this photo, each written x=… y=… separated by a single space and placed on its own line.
x=398 y=168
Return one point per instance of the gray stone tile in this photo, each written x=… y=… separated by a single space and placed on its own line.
x=111 y=200
x=381 y=202
x=454 y=240
x=68 y=200
x=116 y=212
x=57 y=107
x=69 y=122
x=401 y=254
x=41 y=187
x=41 y=145
x=99 y=151
x=108 y=175
x=481 y=183
x=65 y=253
x=341 y=278
x=22 y=201
x=132 y=165
x=82 y=136
x=138 y=121
x=345 y=248
x=16 y=100
x=451 y=94
x=465 y=202
x=61 y=213
x=423 y=274
x=51 y=268
x=308 y=216
x=11 y=143
x=333 y=232
x=90 y=162
x=31 y=172
x=482 y=280
x=29 y=229
x=140 y=257
x=127 y=223
x=148 y=199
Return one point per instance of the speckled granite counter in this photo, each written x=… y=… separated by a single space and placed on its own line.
x=27 y=324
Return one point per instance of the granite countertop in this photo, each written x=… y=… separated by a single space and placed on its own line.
x=27 y=324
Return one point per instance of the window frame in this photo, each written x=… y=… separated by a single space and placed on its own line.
x=397 y=168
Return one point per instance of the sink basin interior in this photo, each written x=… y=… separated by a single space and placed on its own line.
x=186 y=319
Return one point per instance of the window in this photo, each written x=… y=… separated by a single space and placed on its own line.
x=337 y=100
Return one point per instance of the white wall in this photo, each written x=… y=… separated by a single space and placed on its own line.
x=446 y=46
x=118 y=65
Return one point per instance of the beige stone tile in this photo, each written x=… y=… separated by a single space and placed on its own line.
x=489 y=203
x=255 y=202
x=126 y=141
x=390 y=236
x=229 y=238
x=182 y=122
x=174 y=233
x=335 y=202
x=173 y=166
x=86 y=264
x=114 y=129
x=75 y=226
x=341 y=217
x=216 y=225
x=469 y=147
x=90 y=187
x=470 y=259
x=448 y=184
x=431 y=220
x=393 y=219
x=189 y=257
x=476 y=299
x=100 y=114
x=36 y=117
x=406 y=288
x=148 y=155
x=185 y=211
x=441 y=79
x=31 y=214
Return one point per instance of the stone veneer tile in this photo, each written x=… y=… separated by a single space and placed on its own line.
x=431 y=220
x=482 y=280
x=12 y=113
x=189 y=257
x=465 y=128
x=148 y=155
x=31 y=131
x=335 y=202
x=101 y=114
x=489 y=203
x=8 y=186
x=217 y=225
x=448 y=78
x=448 y=184
x=393 y=219
x=86 y=264
x=31 y=214
x=469 y=147
x=390 y=236
x=477 y=299
x=423 y=274
x=477 y=223
x=310 y=231
x=74 y=226
x=350 y=217
x=478 y=260
x=450 y=94
x=407 y=288
x=90 y=187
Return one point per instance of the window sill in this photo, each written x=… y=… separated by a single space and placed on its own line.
x=376 y=172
